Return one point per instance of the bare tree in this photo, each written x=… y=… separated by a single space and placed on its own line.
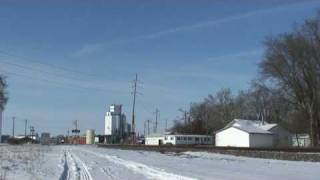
x=292 y=62
x=3 y=93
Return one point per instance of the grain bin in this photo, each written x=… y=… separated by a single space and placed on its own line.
x=90 y=136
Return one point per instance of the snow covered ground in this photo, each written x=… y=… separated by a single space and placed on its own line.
x=89 y=162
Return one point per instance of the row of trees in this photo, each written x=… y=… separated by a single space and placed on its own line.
x=287 y=91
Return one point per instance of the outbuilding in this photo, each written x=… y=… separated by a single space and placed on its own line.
x=244 y=133
x=154 y=140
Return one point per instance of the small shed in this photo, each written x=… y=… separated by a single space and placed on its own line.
x=244 y=133
x=301 y=140
x=154 y=140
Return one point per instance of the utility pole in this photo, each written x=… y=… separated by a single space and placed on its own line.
x=185 y=118
x=32 y=131
x=13 y=125
x=135 y=92
x=157 y=113
x=25 y=127
x=144 y=128
x=166 y=125
x=68 y=135
x=148 y=127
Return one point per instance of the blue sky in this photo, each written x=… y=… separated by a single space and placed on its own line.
x=66 y=60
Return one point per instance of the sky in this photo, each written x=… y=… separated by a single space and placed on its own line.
x=69 y=60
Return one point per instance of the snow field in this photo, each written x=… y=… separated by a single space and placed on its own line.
x=92 y=163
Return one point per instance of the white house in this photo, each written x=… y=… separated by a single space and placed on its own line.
x=154 y=140
x=245 y=133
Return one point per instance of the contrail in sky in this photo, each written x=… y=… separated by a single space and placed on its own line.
x=92 y=48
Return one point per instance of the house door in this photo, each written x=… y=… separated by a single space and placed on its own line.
x=160 y=142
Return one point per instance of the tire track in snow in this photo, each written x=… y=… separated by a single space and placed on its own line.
x=65 y=173
x=74 y=168
x=143 y=169
x=108 y=172
x=83 y=172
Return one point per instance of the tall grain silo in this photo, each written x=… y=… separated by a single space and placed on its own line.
x=90 y=136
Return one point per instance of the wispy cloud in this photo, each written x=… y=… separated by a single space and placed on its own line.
x=203 y=69
x=217 y=22
x=238 y=56
x=92 y=48
x=87 y=49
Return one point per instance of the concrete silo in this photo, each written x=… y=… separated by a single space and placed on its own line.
x=90 y=136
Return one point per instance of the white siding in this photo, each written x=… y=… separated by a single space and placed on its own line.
x=112 y=124
x=187 y=139
x=261 y=140
x=232 y=137
x=108 y=125
x=170 y=139
x=153 y=141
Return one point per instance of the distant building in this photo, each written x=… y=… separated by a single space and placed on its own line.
x=301 y=140
x=178 y=139
x=116 y=126
x=45 y=138
x=154 y=140
x=5 y=138
x=115 y=120
x=188 y=139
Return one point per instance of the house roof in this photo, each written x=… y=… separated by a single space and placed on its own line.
x=250 y=126
x=268 y=127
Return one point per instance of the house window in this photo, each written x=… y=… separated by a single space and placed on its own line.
x=171 y=138
x=185 y=138
x=178 y=138
x=189 y=138
x=197 y=139
x=166 y=138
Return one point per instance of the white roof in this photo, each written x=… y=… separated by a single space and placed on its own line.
x=251 y=126
x=268 y=127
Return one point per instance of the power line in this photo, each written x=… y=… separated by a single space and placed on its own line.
x=46 y=73
x=33 y=69
x=26 y=59
x=58 y=83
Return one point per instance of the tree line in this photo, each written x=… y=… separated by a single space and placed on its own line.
x=287 y=90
